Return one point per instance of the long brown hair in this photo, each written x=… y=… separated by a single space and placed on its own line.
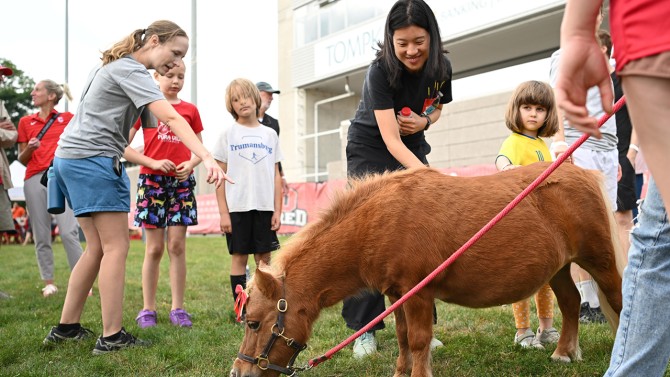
x=165 y=30
x=533 y=93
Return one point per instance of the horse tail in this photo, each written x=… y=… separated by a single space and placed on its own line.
x=619 y=255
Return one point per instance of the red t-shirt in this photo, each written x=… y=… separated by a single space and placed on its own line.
x=160 y=143
x=639 y=29
x=29 y=127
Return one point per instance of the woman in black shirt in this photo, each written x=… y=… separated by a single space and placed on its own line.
x=410 y=70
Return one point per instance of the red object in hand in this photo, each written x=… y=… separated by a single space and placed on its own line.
x=405 y=111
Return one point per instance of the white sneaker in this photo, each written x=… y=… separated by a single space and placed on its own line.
x=435 y=343
x=365 y=345
x=528 y=340
x=49 y=290
x=548 y=336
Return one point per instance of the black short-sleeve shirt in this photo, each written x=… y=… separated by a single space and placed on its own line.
x=417 y=91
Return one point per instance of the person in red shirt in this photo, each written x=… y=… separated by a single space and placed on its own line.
x=8 y=135
x=36 y=151
x=166 y=199
x=18 y=211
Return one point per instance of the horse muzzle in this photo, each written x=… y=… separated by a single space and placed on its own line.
x=236 y=371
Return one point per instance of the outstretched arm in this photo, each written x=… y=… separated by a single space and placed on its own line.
x=168 y=115
x=136 y=157
x=183 y=170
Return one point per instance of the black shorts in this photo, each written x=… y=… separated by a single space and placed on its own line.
x=252 y=233
x=625 y=194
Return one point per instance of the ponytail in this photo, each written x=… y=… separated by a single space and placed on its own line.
x=66 y=91
x=128 y=45
x=165 y=30
x=54 y=88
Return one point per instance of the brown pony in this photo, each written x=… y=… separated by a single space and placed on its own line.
x=390 y=231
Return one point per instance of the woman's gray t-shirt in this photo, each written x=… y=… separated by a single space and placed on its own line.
x=110 y=106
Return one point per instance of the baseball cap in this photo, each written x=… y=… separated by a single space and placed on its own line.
x=6 y=71
x=265 y=87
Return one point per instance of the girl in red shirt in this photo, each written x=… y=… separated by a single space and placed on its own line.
x=166 y=199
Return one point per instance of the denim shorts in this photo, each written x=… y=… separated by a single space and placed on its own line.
x=91 y=185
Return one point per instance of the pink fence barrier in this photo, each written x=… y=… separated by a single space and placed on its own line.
x=302 y=204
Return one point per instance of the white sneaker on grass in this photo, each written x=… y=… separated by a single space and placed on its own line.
x=365 y=345
x=528 y=340
x=49 y=289
x=548 y=336
x=435 y=343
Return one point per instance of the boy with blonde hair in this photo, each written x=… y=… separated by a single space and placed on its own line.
x=250 y=209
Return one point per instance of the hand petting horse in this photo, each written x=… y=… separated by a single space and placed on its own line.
x=390 y=231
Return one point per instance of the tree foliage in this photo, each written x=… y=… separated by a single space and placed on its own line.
x=15 y=94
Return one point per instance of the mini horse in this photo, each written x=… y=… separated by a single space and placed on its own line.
x=390 y=231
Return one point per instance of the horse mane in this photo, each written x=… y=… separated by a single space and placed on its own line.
x=358 y=190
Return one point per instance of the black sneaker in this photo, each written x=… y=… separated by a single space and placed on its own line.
x=585 y=313
x=126 y=340
x=55 y=336
x=597 y=316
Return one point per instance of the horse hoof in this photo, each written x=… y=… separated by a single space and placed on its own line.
x=561 y=358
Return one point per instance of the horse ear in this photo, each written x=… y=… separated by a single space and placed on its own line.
x=267 y=284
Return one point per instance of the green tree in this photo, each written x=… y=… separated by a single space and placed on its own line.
x=15 y=94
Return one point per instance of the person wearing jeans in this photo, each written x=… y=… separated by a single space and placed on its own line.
x=642 y=344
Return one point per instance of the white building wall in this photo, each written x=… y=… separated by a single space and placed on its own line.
x=469 y=132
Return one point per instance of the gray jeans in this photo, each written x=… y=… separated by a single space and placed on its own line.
x=40 y=221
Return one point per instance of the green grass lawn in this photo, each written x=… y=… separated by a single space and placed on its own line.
x=477 y=342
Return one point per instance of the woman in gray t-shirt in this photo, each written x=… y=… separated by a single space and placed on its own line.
x=89 y=173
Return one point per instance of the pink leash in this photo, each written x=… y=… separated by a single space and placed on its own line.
x=316 y=361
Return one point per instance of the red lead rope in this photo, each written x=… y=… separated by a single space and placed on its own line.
x=471 y=241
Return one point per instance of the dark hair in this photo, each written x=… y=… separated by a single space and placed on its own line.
x=406 y=13
x=165 y=30
x=533 y=93
x=605 y=40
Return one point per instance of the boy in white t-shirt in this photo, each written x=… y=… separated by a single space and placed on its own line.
x=250 y=209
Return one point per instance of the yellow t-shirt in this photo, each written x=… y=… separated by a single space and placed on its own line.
x=524 y=150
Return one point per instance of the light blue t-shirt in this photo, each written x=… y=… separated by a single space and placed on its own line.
x=110 y=106
x=595 y=109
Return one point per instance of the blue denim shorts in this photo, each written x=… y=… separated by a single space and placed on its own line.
x=91 y=185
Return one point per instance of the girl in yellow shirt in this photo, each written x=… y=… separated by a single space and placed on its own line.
x=531 y=114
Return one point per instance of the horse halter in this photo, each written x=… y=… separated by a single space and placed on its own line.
x=262 y=361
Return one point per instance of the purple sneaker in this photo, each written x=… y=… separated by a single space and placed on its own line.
x=179 y=317
x=146 y=318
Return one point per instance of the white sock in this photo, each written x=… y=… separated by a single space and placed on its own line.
x=591 y=293
x=580 y=288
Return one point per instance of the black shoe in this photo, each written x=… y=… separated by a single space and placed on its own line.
x=585 y=313
x=597 y=316
x=55 y=336
x=126 y=340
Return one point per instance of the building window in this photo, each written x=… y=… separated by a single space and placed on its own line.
x=321 y=18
